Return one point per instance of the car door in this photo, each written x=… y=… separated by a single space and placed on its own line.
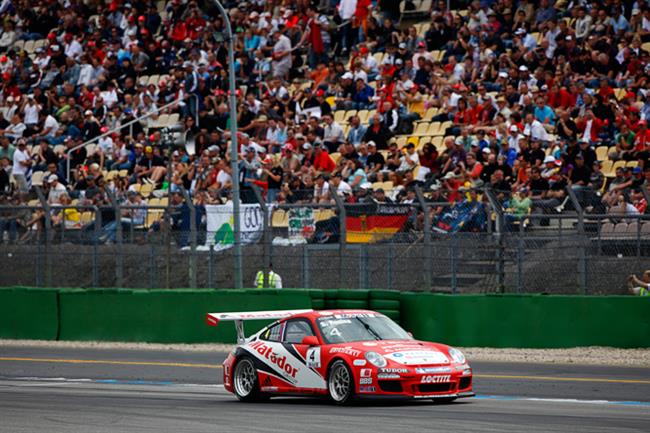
x=309 y=378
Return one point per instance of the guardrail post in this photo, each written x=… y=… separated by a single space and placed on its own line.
x=428 y=251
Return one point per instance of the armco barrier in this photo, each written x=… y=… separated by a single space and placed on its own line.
x=28 y=313
x=528 y=321
x=164 y=316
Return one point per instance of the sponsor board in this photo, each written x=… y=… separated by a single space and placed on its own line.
x=346 y=351
x=429 y=370
x=435 y=379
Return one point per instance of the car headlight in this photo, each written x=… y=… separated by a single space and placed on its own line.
x=376 y=359
x=457 y=355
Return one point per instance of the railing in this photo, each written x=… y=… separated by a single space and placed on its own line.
x=329 y=245
x=106 y=134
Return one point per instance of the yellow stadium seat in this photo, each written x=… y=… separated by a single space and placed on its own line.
x=279 y=218
x=601 y=153
x=422 y=129
x=339 y=116
x=632 y=164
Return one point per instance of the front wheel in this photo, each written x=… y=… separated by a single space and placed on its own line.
x=340 y=383
x=245 y=380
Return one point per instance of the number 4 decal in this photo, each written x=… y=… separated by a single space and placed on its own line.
x=313 y=357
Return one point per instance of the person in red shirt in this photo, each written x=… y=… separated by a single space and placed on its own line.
x=642 y=137
x=323 y=162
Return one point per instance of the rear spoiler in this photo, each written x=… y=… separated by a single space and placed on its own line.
x=213 y=319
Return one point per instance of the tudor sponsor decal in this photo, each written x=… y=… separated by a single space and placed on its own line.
x=346 y=351
x=279 y=360
x=413 y=357
x=435 y=379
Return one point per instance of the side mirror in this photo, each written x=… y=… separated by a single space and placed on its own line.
x=310 y=341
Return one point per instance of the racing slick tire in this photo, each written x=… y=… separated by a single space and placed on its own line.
x=340 y=383
x=245 y=381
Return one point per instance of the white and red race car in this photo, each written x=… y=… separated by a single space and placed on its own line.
x=341 y=354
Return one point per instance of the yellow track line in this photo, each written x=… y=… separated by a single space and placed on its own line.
x=216 y=366
x=561 y=379
x=101 y=361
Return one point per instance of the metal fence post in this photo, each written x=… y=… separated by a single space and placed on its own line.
x=96 y=233
x=499 y=235
x=520 y=256
x=454 y=264
x=305 y=266
x=428 y=252
x=119 y=257
x=363 y=266
x=390 y=266
x=210 y=258
x=267 y=234
x=47 y=235
x=192 y=267
x=342 y=231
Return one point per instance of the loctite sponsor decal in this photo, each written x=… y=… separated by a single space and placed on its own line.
x=279 y=360
x=435 y=379
x=346 y=351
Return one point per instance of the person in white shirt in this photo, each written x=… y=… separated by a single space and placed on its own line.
x=534 y=129
x=72 y=48
x=21 y=166
x=16 y=127
x=342 y=187
x=409 y=160
x=56 y=190
x=333 y=133
x=282 y=61
x=31 y=110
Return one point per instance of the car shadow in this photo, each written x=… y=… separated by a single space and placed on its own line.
x=359 y=402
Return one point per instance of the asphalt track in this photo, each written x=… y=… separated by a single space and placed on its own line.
x=98 y=390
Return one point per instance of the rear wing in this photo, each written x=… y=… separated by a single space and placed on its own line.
x=213 y=319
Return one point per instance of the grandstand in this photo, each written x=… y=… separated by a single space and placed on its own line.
x=486 y=117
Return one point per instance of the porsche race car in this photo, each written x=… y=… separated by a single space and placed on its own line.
x=341 y=354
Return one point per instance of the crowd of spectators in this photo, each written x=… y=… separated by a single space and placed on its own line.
x=331 y=96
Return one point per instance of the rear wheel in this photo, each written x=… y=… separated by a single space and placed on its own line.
x=245 y=380
x=340 y=383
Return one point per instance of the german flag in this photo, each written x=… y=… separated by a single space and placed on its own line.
x=373 y=222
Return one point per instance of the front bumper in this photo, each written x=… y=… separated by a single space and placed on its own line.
x=456 y=384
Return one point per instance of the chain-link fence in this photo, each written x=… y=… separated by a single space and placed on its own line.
x=478 y=244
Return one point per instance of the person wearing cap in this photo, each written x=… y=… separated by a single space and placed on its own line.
x=409 y=160
x=56 y=189
x=151 y=168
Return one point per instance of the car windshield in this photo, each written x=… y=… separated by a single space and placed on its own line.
x=346 y=328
